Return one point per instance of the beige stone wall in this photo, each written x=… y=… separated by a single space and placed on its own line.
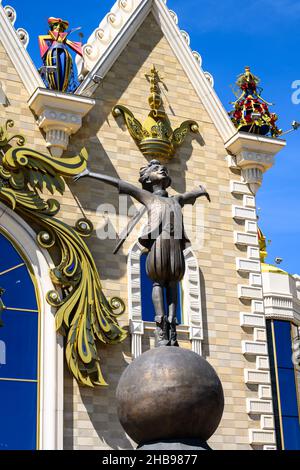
x=17 y=108
x=90 y=415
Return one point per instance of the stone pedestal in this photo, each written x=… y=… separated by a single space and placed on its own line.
x=170 y=398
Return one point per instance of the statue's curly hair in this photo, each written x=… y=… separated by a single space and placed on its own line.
x=144 y=172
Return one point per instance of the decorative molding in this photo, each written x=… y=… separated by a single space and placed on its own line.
x=262 y=363
x=247 y=265
x=250 y=320
x=259 y=407
x=51 y=344
x=281 y=297
x=14 y=42
x=254 y=144
x=250 y=266
x=243 y=213
x=249 y=292
x=253 y=348
x=253 y=253
x=251 y=227
x=265 y=391
x=260 y=437
x=260 y=335
x=245 y=239
x=249 y=201
x=231 y=162
x=191 y=293
x=111 y=37
x=59 y=115
x=238 y=187
x=11 y=14
x=255 y=279
x=257 y=306
x=108 y=43
x=192 y=300
x=23 y=36
x=254 y=156
x=282 y=308
x=253 y=376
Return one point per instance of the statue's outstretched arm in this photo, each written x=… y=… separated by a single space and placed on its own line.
x=192 y=196
x=98 y=176
x=142 y=196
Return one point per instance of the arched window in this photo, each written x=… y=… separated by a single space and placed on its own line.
x=141 y=310
x=19 y=327
x=148 y=312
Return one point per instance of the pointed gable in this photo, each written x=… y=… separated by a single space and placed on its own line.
x=117 y=29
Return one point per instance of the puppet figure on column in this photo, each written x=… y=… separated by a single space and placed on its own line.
x=57 y=70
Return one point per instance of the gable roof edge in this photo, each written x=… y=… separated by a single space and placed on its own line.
x=182 y=51
x=201 y=84
x=18 y=55
x=115 y=48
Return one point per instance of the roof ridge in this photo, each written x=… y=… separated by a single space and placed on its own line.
x=15 y=42
x=118 y=28
x=110 y=25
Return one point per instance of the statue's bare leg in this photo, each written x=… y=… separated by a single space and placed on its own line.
x=172 y=300
x=162 y=326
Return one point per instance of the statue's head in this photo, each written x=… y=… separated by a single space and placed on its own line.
x=154 y=174
x=57 y=24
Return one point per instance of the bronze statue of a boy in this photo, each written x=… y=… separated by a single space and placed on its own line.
x=164 y=238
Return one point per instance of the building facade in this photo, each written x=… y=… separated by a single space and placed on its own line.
x=237 y=312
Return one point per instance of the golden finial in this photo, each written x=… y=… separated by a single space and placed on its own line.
x=154 y=98
x=155 y=138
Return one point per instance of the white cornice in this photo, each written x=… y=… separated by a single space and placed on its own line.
x=124 y=29
x=59 y=115
x=105 y=57
x=242 y=141
x=18 y=54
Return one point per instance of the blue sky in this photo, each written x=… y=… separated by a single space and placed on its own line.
x=229 y=34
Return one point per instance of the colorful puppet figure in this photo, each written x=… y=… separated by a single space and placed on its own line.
x=251 y=112
x=58 y=62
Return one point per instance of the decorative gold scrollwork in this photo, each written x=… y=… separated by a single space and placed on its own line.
x=84 y=315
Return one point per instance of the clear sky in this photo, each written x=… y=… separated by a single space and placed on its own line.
x=228 y=34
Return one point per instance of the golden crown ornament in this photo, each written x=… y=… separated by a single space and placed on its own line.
x=155 y=138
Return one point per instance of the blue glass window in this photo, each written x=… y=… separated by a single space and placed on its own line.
x=282 y=330
x=289 y=403
x=148 y=312
x=18 y=415
x=19 y=291
x=19 y=334
x=291 y=432
x=286 y=385
x=18 y=352
x=9 y=256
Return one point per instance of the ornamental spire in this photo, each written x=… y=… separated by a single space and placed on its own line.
x=251 y=112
